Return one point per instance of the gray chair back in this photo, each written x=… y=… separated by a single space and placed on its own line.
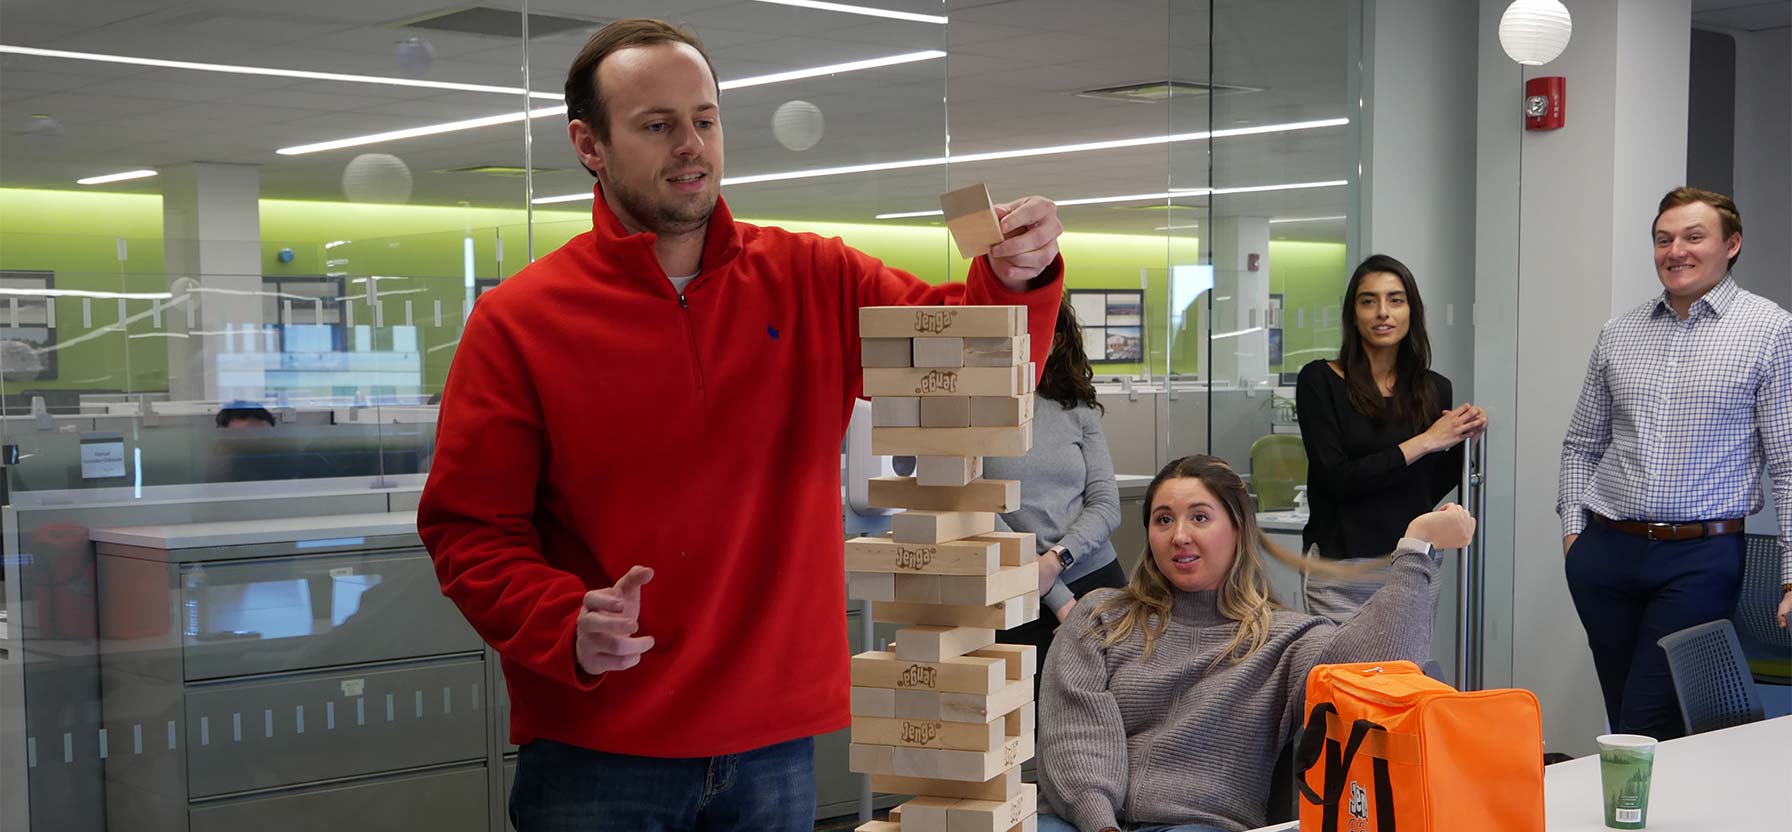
x=1711 y=677
x=1756 y=610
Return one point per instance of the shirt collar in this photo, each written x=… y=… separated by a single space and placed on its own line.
x=1716 y=301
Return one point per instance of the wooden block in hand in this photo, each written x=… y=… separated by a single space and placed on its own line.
x=976 y=495
x=996 y=411
x=996 y=352
x=993 y=815
x=939 y=352
x=971 y=217
x=1003 y=786
x=1022 y=659
x=871 y=586
x=869 y=701
x=983 y=591
x=1003 y=616
x=1017 y=547
x=922 y=526
x=1011 y=440
x=896 y=412
x=961 y=674
x=938 y=321
x=945 y=411
x=946 y=472
x=876 y=554
x=886 y=352
x=928 y=643
x=929 y=733
x=935 y=381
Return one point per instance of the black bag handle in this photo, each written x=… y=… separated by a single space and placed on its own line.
x=1312 y=740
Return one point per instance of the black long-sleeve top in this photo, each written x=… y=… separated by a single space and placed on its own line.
x=1360 y=491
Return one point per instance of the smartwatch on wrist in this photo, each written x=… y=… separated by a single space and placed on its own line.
x=1065 y=558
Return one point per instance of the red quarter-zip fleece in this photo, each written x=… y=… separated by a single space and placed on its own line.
x=594 y=419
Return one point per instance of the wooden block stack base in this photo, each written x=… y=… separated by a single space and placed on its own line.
x=947 y=714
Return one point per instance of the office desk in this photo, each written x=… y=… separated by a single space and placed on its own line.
x=1735 y=780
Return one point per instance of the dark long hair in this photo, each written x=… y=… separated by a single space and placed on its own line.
x=1068 y=378
x=1415 y=401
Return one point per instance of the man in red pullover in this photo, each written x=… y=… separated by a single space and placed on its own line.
x=664 y=399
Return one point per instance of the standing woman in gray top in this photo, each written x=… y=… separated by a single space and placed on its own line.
x=1068 y=497
x=1167 y=703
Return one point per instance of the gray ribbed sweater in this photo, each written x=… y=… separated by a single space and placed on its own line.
x=1169 y=740
x=1067 y=491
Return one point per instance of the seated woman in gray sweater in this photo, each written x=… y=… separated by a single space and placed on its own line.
x=1166 y=704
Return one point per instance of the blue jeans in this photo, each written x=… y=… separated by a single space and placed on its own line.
x=1053 y=823
x=1630 y=592
x=564 y=788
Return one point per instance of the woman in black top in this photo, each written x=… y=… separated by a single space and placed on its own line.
x=1383 y=443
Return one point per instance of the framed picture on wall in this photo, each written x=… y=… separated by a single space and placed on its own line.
x=1113 y=322
x=306 y=312
x=27 y=325
x=1273 y=326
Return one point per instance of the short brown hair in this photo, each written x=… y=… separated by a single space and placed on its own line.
x=1729 y=219
x=584 y=101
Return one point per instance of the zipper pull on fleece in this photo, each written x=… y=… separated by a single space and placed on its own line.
x=682 y=302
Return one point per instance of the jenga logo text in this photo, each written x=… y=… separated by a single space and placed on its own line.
x=938 y=381
x=918 y=676
x=913 y=559
x=934 y=321
x=920 y=733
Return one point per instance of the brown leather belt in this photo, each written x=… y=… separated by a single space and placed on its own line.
x=1673 y=531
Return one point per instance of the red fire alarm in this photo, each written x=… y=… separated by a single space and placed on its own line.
x=1253 y=262
x=1545 y=103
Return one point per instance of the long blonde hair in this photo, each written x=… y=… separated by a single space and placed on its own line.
x=1244 y=593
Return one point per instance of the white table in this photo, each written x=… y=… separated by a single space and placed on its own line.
x=1737 y=780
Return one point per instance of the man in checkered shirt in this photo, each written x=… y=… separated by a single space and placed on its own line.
x=1685 y=399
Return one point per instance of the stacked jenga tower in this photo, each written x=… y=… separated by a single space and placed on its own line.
x=948 y=716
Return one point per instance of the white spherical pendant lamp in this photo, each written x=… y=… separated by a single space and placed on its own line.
x=1534 y=32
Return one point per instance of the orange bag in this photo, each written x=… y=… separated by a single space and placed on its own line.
x=1388 y=749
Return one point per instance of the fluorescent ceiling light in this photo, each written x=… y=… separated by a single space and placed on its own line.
x=1082 y=147
x=1306 y=219
x=1177 y=194
x=545 y=112
x=1177 y=227
x=236 y=69
x=864 y=10
x=115 y=177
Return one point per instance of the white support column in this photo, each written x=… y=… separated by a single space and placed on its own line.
x=1240 y=340
x=211 y=225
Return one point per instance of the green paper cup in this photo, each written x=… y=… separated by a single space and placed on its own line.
x=1626 y=764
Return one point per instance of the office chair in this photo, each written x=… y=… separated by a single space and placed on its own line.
x=1757 y=611
x=1278 y=464
x=1711 y=677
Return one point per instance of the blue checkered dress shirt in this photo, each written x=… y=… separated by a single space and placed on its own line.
x=1676 y=417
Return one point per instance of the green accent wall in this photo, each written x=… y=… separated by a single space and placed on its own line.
x=417 y=253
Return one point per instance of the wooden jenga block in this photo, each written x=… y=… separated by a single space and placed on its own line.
x=1001 y=787
x=879 y=826
x=997 y=352
x=930 y=733
x=871 y=586
x=1029 y=380
x=943 y=764
x=1031 y=824
x=939 y=352
x=926 y=813
x=1006 y=615
x=993 y=815
x=1017 y=547
x=976 y=495
x=876 y=554
x=923 y=526
x=886 y=352
x=922 y=381
x=973 y=707
x=870 y=759
x=997 y=411
x=971 y=217
x=896 y=412
x=895 y=814
x=868 y=701
x=1022 y=659
x=945 y=411
x=1008 y=440
x=934 y=321
x=946 y=472
x=926 y=643
x=920 y=704
x=959 y=674
x=919 y=589
x=1023 y=720
x=975 y=591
